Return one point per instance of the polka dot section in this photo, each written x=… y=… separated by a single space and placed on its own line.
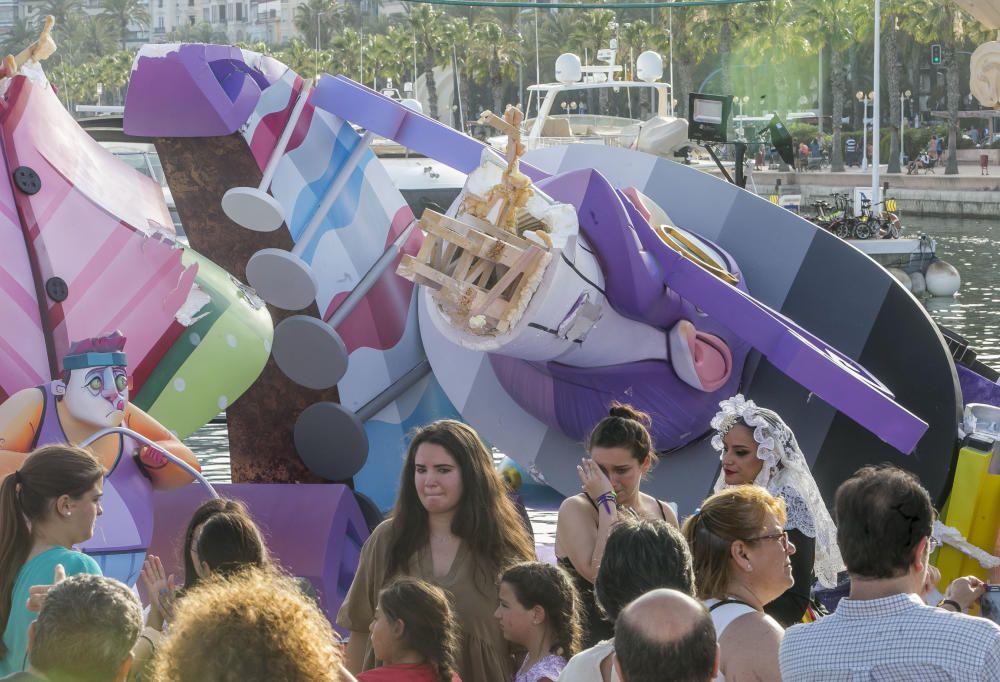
x=231 y=340
x=194 y=338
x=179 y=385
x=223 y=402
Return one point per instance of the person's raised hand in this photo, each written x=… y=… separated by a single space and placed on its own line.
x=160 y=587
x=37 y=593
x=965 y=590
x=593 y=480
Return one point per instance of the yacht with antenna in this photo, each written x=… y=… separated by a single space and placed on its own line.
x=589 y=105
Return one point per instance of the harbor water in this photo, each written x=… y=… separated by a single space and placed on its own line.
x=971 y=245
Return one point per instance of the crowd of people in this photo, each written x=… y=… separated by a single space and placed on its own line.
x=448 y=588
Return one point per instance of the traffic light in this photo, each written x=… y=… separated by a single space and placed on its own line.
x=935 y=54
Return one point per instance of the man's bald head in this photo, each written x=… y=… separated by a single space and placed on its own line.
x=665 y=634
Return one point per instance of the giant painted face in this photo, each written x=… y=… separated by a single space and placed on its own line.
x=97 y=395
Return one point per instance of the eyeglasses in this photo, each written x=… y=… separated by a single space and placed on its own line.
x=933 y=543
x=781 y=537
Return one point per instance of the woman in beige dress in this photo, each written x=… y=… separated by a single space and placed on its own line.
x=454 y=527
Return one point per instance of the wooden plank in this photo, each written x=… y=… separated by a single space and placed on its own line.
x=503 y=235
x=462 y=266
x=491 y=119
x=527 y=258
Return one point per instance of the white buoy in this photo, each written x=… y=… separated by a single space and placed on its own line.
x=942 y=279
x=901 y=277
x=918 y=283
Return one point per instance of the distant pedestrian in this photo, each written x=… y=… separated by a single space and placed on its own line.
x=851 y=149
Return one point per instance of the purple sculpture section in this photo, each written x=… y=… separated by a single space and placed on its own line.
x=213 y=93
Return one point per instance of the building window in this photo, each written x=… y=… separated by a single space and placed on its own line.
x=159 y=23
x=191 y=19
x=206 y=17
x=239 y=11
x=222 y=14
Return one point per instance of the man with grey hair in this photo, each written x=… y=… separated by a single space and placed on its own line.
x=85 y=632
x=665 y=635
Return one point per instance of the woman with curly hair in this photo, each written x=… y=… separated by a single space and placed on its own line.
x=255 y=625
x=539 y=610
x=413 y=635
x=454 y=527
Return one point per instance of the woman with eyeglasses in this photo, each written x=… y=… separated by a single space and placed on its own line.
x=756 y=446
x=742 y=561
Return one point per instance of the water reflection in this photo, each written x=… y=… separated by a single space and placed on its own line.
x=972 y=246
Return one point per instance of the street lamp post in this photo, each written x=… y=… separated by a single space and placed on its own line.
x=902 y=125
x=876 y=117
x=740 y=130
x=863 y=98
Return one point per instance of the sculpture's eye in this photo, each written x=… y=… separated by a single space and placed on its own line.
x=96 y=384
x=121 y=381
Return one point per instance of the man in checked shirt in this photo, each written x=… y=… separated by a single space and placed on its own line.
x=884 y=631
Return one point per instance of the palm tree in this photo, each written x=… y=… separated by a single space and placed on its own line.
x=65 y=12
x=458 y=35
x=834 y=25
x=493 y=58
x=890 y=40
x=125 y=13
x=944 y=23
x=91 y=37
x=21 y=34
x=318 y=20
x=427 y=24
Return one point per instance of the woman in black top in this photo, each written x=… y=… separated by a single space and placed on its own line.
x=621 y=453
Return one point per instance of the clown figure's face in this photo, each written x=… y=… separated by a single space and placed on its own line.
x=97 y=395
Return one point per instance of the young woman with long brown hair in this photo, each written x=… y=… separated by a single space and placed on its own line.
x=454 y=527
x=48 y=505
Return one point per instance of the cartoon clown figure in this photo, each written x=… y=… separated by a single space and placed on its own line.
x=93 y=395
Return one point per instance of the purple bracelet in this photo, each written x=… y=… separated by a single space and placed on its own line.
x=606 y=498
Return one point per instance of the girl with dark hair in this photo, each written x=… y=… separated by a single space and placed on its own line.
x=221 y=539
x=621 y=454
x=413 y=635
x=539 y=610
x=48 y=505
x=192 y=534
x=160 y=588
x=454 y=527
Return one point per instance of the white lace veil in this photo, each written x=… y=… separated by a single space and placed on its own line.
x=785 y=474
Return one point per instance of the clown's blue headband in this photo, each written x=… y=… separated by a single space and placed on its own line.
x=82 y=360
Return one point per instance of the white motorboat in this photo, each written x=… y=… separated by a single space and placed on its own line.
x=564 y=110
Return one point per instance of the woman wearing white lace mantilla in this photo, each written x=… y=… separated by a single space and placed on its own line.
x=757 y=447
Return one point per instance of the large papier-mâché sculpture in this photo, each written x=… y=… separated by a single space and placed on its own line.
x=534 y=390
